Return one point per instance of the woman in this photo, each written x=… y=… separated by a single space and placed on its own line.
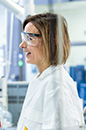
x=51 y=100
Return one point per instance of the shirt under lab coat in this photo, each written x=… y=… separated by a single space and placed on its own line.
x=51 y=102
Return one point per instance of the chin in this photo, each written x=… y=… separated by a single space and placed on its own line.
x=29 y=62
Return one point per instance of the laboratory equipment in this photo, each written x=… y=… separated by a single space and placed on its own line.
x=0 y=126
x=17 y=67
x=85 y=68
x=5 y=117
x=72 y=72
x=16 y=94
x=3 y=91
x=78 y=73
x=82 y=92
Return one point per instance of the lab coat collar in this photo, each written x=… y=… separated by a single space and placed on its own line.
x=48 y=71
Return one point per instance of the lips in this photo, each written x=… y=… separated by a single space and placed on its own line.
x=28 y=53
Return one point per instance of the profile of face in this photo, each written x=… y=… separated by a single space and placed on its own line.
x=33 y=47
x=41 y=39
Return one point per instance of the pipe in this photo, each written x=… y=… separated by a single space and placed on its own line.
x=10 y=45
x=13 y=7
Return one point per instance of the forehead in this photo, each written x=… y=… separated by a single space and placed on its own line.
x=30 y=28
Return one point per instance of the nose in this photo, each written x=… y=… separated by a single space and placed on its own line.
x=23 y=44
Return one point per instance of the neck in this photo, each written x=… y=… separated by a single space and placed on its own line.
x=42 y=67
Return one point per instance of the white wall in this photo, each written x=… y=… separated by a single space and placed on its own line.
x=75 y=14
x=77 y=56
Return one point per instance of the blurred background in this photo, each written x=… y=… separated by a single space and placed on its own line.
x=15 y=74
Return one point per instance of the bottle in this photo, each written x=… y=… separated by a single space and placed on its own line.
x=1 y=116
x=0 y=126
x=7 y=118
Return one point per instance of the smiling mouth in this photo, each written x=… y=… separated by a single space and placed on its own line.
x=28 y=53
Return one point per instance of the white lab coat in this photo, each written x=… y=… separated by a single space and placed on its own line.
x=51 y=102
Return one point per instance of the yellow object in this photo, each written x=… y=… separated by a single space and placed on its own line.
x=25 y=128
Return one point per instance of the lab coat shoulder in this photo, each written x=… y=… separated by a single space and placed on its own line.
x=77 y=103
x=62 y=106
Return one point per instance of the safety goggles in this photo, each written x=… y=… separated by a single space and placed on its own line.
x=30 y=38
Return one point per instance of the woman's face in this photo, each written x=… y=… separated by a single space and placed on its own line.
x=34 y=54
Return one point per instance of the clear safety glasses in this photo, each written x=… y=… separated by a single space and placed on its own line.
x=30 y=38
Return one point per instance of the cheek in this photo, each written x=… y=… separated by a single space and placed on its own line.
x=38 y=53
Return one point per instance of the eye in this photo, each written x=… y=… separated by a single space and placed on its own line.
x=29 y=38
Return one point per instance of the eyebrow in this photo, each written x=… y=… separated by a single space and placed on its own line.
x=32 y=34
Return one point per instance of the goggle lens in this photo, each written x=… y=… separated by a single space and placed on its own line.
x=30 y=38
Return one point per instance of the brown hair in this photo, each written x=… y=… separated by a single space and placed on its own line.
x=48 y=26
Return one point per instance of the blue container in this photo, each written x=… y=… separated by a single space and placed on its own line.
x=82 y=92
x=84 y=103
x=72 y=72
x=80 y=74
